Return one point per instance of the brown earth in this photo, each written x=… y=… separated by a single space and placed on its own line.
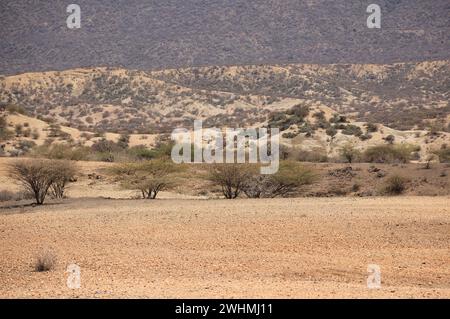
x=179 y=248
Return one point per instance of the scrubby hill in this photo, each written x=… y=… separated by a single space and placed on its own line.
x=312 y=133
x=403 y=96
x=19 y=134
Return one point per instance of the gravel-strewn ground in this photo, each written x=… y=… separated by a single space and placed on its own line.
x=291 y=248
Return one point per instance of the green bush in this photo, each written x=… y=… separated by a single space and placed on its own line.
x=352 y=130
x=26 y=146
x=338 y=119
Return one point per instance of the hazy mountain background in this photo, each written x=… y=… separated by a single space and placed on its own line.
x=149 y=34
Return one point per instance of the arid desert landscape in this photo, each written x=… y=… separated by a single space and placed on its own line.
x=190 y=246
x=225 y=149
x=174 y=248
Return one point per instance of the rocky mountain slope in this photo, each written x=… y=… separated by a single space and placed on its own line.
x=152 y=34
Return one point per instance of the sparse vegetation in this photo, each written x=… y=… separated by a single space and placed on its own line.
x=388 y=154
x=6 y=195
x=65 y=172
x=331 y=131
x=352 y=130
x=231 y=178
x=62 y=151
x=395 y=185
x=5 y=133
x=286 y=182
x=13 y=109
x=314 y=156
x=371 y=127
x=36 y=176
x=390 y=139
x=443 y=155
x=149 y=177
x=45 y=261
x=349 y=153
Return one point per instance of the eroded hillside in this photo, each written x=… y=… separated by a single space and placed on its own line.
x=402 y=96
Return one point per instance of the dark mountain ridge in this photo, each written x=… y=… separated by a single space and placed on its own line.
x=151 y=34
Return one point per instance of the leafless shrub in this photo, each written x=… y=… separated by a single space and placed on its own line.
x=65 y=171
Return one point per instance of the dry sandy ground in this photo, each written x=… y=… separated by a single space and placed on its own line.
x=178 y=248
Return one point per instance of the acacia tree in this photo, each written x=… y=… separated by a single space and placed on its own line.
x=149 y=177
x=35 y=176
x=230 y=177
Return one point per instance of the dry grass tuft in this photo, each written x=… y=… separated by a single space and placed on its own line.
x=45 y=261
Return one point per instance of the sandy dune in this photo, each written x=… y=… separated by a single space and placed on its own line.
x=216 y=248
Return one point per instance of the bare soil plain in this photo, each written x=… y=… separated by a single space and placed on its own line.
x=185 y=248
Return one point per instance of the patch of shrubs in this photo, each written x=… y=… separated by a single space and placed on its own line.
x=290 y=135
x=62 y=151
x=395 y=185
x=16 y=109
x=284 y=120
x=237 y=179
x=388 y=154
x=5 y=133
x=336 y=119
x=331 y=131
x=25 y=146
x=349 y=153
x=365 y=137
x=371 y=127
x=352 y=130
